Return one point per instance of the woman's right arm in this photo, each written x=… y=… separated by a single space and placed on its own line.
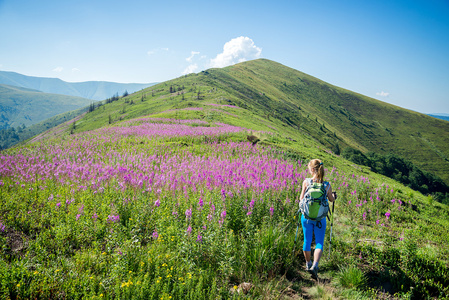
x=304 y=186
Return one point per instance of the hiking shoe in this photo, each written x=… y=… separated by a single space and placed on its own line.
x=314 y=272
x=308 y=266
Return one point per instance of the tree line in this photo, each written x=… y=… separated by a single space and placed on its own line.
x=402 y=170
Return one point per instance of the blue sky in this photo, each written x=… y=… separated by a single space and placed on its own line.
x=394 y=51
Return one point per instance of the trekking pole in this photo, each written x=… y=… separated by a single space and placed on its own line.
x=296 y=235
x=332 y=223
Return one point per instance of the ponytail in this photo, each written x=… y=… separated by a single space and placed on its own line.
x=317 y=165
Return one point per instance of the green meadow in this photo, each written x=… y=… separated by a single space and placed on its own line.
x=189 y=189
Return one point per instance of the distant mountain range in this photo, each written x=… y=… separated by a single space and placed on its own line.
x=23 y=106
x=93 y=90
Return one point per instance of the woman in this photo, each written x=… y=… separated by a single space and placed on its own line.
x=315 y=228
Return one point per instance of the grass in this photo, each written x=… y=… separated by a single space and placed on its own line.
x=148 y=208
x=351 y=277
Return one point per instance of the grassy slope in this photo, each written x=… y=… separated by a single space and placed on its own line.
x=357 y=120
x=273 y=98
x=262 y=113
x=24 y=106
x=301 y=105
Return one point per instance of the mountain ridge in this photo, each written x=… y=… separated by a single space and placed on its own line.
x=24 y=106
x=93 y=90
x=297 y=104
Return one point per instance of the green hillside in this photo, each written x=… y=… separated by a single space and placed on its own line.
x=298 y=105
x=21 y=106
x=190 y=189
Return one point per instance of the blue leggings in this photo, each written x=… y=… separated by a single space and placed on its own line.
x=310 y=229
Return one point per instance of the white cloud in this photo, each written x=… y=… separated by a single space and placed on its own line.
x=75 y=70
x=190 y=69
x=192 y=54
x=154 y=51
x=383 y=94
x=58 y=69
x=236 y=50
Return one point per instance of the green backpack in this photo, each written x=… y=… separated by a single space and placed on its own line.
x=315 y=206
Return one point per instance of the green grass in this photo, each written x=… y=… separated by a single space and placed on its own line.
x=386 y=232
x=28 y=107
x=275 y=98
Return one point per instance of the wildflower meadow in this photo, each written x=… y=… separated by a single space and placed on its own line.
x=156 y=208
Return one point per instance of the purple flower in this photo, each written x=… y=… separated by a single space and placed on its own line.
x=251 y=204
x=113 y=218
x=200 y=203
x=199 y=238
x=189 y=213
x=157 y=203
x=249 y=213
x=95 y=216
x=155 y=235
x=387 y=215
x=189 y=230
x=58 y=204
x=78 y=216
x=377 y=222
x=2 y=227
x=51 y=197
x=271 y=211
x=223 y=214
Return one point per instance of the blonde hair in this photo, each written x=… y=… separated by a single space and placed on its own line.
x=317 y=165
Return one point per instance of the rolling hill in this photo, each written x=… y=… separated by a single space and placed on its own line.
x=22 y=106
x=189 y=190
x=94 y=90
x=297 y=104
